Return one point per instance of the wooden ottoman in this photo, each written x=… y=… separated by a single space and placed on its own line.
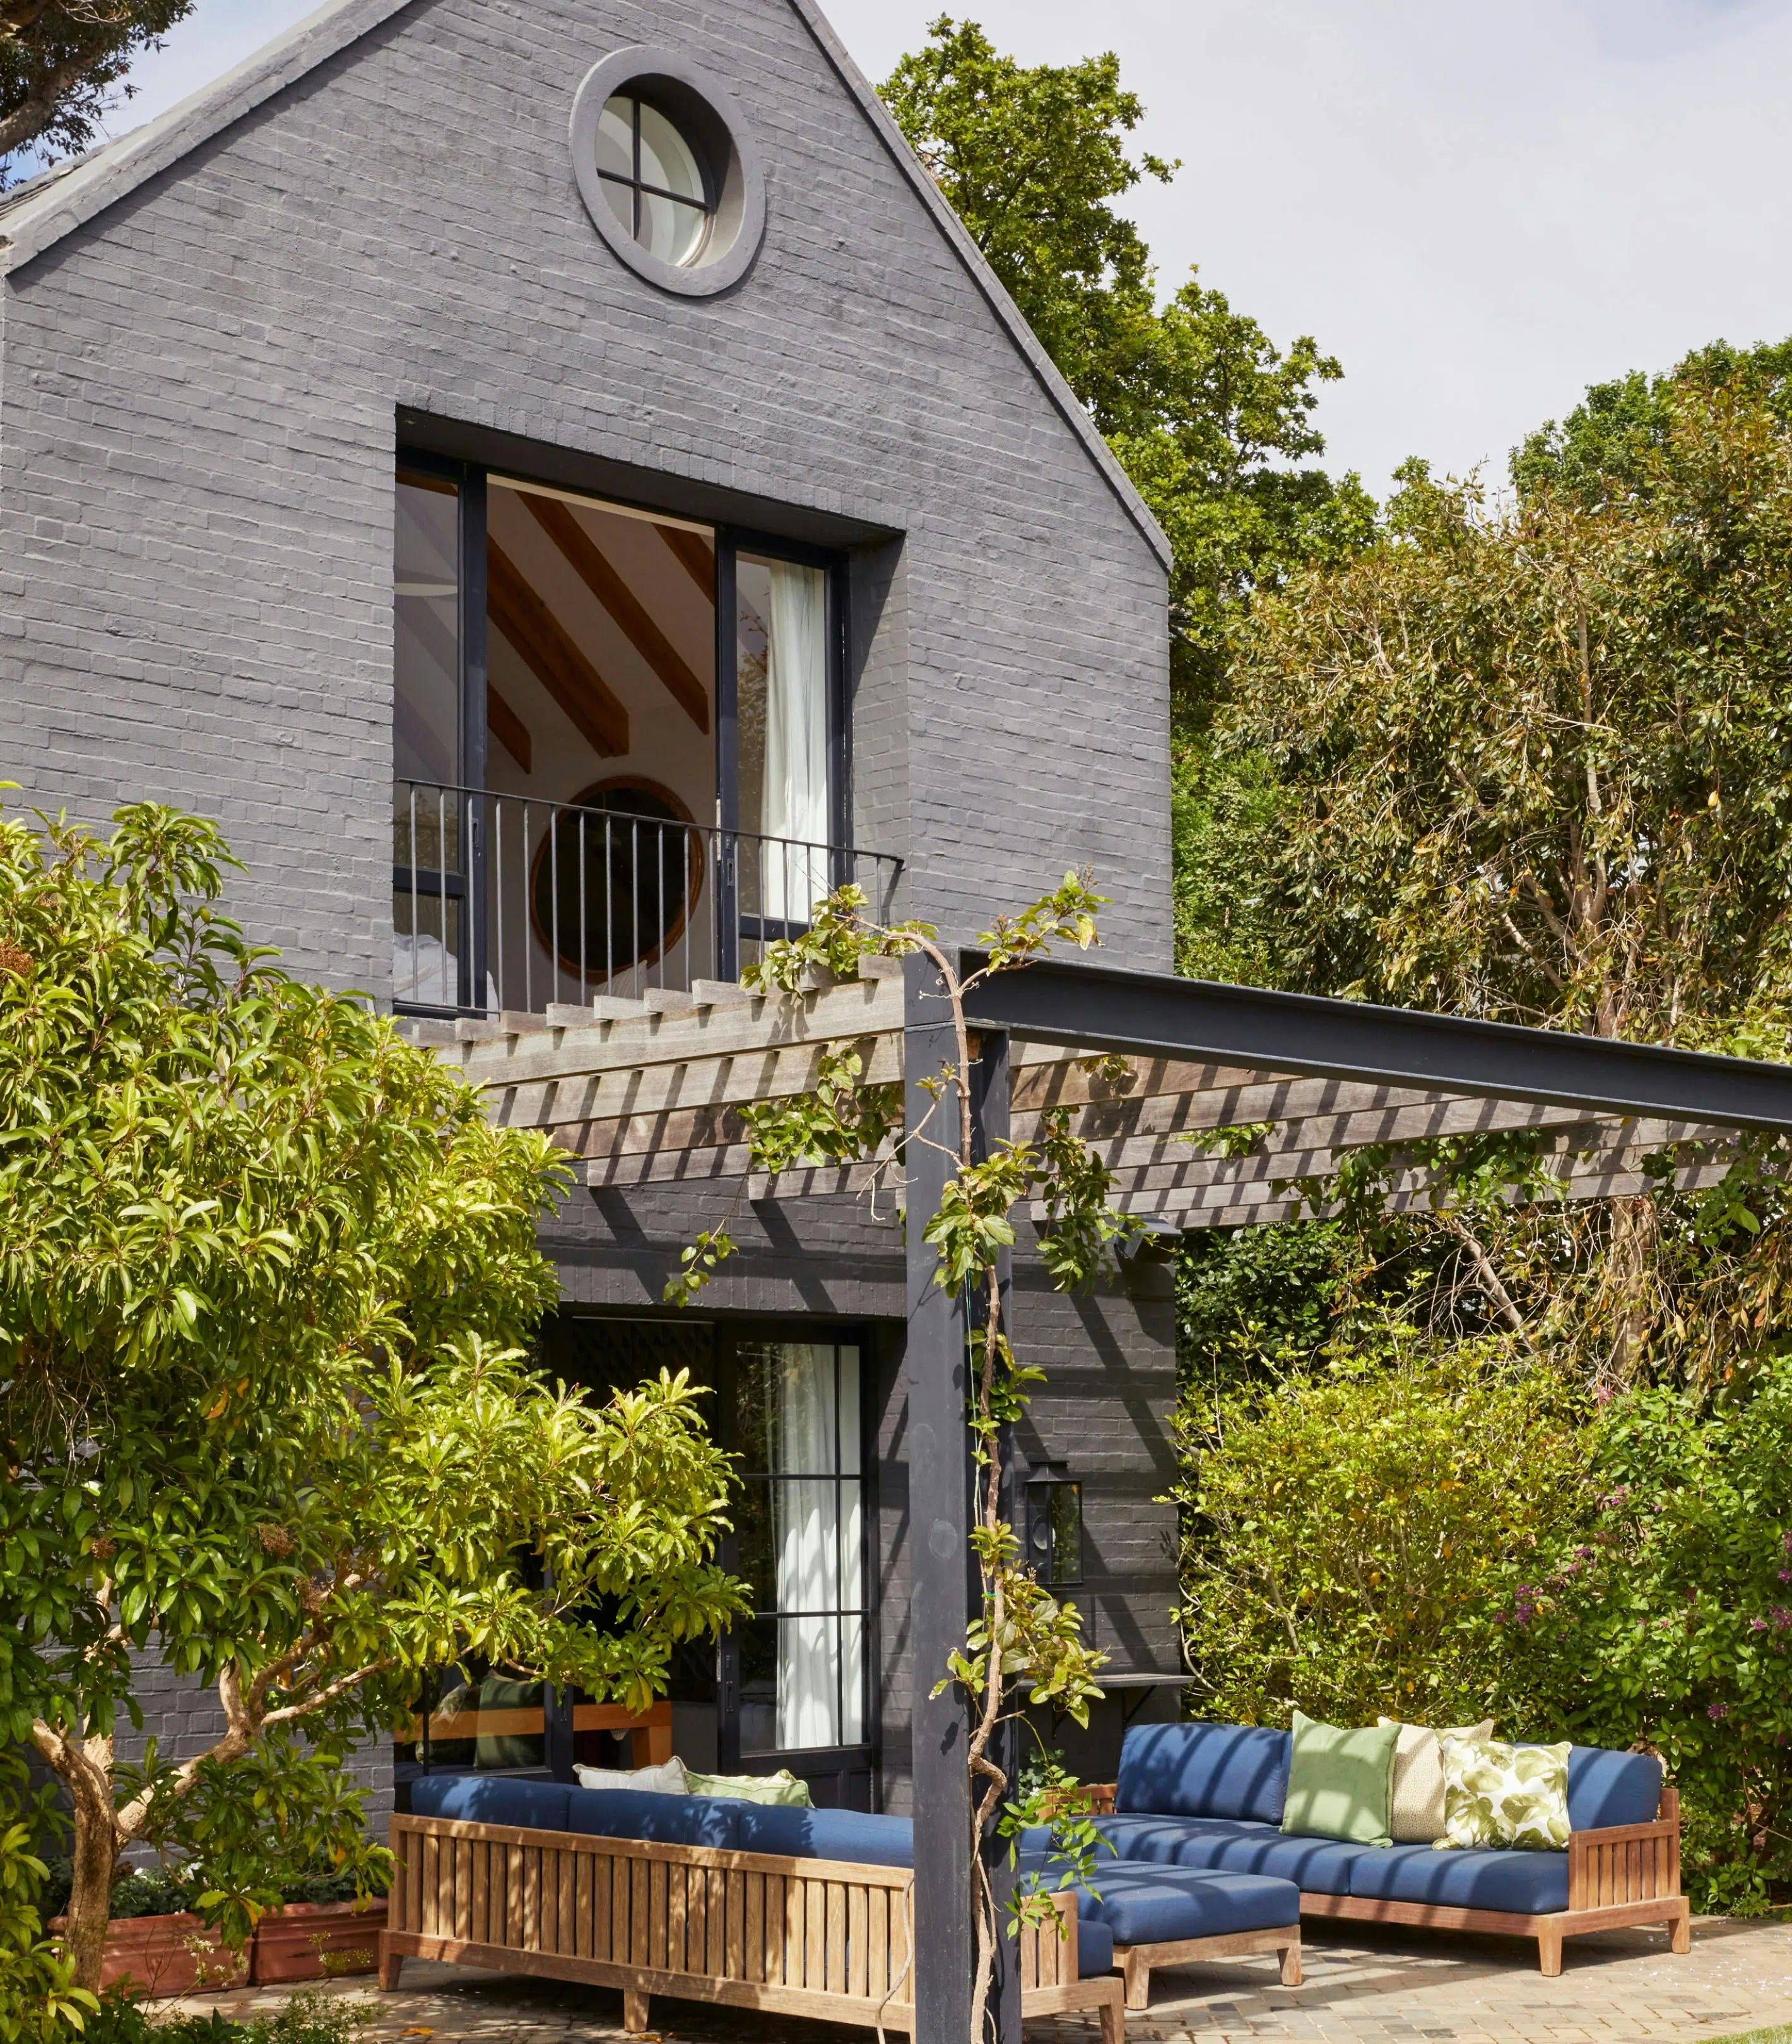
x=1180 y=1916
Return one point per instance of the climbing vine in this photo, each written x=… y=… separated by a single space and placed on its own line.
x=1024 y=1646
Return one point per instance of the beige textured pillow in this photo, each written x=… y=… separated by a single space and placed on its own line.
x=1417 y=1814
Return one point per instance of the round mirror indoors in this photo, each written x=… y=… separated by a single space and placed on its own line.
x=612 y=884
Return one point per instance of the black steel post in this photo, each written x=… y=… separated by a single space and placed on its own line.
x=989 y=1126
x=938 y=1445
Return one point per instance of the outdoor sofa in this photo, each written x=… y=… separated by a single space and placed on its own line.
x=800 y=1912
x=1209 y=1797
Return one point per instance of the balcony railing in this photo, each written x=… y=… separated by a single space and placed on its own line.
x=503 y=902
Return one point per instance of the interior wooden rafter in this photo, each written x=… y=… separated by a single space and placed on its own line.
x=553 y=657
x=593 y=567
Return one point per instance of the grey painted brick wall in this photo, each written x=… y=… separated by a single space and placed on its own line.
x=197 y=431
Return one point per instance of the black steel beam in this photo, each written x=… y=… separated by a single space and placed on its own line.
x=1154 y=1015
x=938 y=1458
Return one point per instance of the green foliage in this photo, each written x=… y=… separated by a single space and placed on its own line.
x=307 y=2018
x=1534 y=760
x=1253 y=1302
x=1349 y=1537
x=1670 y=1622
x=64 y=64
x=1209 y=418
x=264 y=1290
x=1611 y=446
x=38 y=2000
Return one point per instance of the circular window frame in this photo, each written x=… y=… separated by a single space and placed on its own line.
x=666 y=943
x=729 y=156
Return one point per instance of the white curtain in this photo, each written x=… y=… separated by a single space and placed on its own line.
x=794 y=804
x=820 y=1657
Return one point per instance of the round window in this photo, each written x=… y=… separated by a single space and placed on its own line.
x=613 y=883
x=667 y=173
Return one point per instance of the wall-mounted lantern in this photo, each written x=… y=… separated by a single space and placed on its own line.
x=1055 y=1523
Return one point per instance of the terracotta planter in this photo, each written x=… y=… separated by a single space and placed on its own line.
x=317 y=1941
x=163 y=1955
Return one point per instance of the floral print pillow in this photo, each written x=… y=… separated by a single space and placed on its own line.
x=1498 y=1796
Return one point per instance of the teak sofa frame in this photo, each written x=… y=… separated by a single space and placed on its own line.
x=1620 y=1877
x=796 y=1937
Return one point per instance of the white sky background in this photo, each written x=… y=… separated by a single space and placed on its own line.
x=1479 y=206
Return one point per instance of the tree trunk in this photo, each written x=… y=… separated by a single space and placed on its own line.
x=90 y=1901
x=85 y=1769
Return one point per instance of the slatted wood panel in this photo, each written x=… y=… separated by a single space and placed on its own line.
x=1629 y=1863
x=706 y=1919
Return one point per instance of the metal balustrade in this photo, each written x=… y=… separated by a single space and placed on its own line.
x=506 y=901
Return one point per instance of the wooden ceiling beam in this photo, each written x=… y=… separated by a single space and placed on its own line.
x=697 y=557
x=593 y=567
x=508 y=729
x=543 y=644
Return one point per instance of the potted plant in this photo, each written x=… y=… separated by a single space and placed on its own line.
x=155 y=1943
x=321 y=1930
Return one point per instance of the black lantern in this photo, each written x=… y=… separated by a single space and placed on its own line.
x=1054 y=1524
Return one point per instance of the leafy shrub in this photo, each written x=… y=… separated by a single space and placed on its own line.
x=1669 y=1625
x=1350 y=1536
x=307 y=2019
x=37 y=1996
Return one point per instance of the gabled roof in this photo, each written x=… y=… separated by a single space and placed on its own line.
x=40 y=213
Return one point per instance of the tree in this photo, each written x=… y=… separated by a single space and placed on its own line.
x=266 y=1283
x=63 y=62
x=1349 y=1538
x=1208 y=418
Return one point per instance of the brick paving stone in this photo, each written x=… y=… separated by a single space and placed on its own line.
x=1374 y=1987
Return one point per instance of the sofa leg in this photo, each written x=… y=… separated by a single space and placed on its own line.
x=1549 y=1954
x=1114 y=2021
x=634 y=2009
x=1290 y=1957
x=1680 y=1931
x=390 y=1962
x=1137 y=1975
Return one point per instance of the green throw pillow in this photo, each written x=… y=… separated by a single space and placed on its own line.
x=1498 y=1797
x=1340 y=1783
x=783 y=1787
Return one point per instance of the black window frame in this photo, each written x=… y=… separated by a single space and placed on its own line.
x=471 y=480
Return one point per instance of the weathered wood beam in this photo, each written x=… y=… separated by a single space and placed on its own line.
x=542 y=643
x=593 y=567
x=855 y=1009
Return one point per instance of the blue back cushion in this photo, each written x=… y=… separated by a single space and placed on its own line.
x=1203 y=1770
x=492 y=1799
x=667 y=1820
x=1606 y=1789
x=843 y=1834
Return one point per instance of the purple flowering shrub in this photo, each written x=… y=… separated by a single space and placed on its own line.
x=1669 y=1625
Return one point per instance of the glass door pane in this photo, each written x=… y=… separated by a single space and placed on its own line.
x=801 y=1547
x=781 y=669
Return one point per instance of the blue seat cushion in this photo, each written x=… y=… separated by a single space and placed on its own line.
x=844 y=1834
x=667 y=1820
x=1161 y=1905
x=1094 y=1948
x=1195 y=1842
x=1203 y=1770
x=492 y=1799
x=1527 y=1884
x=1322 y=1866
x=1606 y=1788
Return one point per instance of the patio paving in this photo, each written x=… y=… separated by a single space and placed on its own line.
x=1367 y=1987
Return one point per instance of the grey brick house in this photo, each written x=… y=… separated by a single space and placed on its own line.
x=557 y=484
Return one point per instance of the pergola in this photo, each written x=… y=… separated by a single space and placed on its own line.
x=651 y=1094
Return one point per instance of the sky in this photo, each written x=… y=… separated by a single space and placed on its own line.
x=1479 y=206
